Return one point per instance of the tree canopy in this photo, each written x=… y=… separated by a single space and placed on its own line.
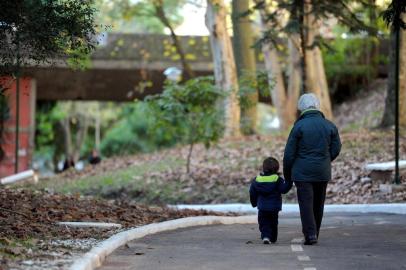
x=393 y=14
x=138 y=16
x=343 y=10
x=34 y=31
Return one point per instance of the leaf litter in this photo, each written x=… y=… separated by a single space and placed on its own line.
x=31 y=239
x=222 y=174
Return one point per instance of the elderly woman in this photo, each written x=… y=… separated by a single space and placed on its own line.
x=312 y=145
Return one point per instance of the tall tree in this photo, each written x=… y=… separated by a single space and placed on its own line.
x=402 y=76
x=315 y=80
x=388 y=118
x=304 y=17
x=36 y=31
x=243 y=40
x=161 y=14
x=284 y=97
x=395 y=16
x=75 y=127
x=224 y=64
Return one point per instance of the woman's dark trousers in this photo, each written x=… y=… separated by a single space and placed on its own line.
x=268 y=224
x=311 y=196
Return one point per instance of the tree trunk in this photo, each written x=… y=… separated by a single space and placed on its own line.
x=3 y=115
x=316 y=81
x=65 y=123
x=295 y=79
x=224 y=64
x=402 y=77
x=189 y=158
x=80 y=136
x=324 y=93
x=283 y=100
x=388 y=118
x=245 y=59
x=59 y=143
x=303 y=31
x=372 y=48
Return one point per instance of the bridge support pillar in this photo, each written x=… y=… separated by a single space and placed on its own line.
x=27 y=98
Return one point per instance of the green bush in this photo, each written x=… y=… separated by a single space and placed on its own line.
x=346 y=63
x=130 y=134
x=190 y=112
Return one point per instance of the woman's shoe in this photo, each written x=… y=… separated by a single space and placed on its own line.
x=311 y=240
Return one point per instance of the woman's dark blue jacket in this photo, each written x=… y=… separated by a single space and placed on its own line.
x=266 y=190
x=312 y=145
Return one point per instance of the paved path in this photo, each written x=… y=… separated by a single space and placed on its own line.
x=347 y=241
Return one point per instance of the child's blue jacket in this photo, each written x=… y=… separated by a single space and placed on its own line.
x=266 y=190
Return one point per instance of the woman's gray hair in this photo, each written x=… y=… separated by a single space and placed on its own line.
x=308 y=101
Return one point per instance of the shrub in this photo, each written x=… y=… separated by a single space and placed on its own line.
x=190 y=112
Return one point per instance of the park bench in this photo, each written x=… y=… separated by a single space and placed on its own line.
x=382 y=173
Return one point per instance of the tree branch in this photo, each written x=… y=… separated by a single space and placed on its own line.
x=160 y=14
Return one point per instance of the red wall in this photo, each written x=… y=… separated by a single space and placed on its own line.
x=26 y=133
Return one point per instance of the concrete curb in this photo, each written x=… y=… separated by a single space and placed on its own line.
x=95 y=257
x=391 y=208
x=100 y=225
x=19 y=177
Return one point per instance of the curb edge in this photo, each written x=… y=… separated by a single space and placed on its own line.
x=95 y=257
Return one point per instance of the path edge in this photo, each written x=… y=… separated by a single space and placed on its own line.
x=96 y=256
x=288 y=208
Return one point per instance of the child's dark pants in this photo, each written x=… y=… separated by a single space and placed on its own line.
x=268 y=224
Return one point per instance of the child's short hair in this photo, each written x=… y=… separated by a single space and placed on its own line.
x=270 y=165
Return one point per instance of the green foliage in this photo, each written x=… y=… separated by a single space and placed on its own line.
x=393 y=15
x=129 y=135
x=129 y=181
x=79 y=59
x=189 y=111
x=345 y=61
x=46 y=117
x=137 y=16
x=49 y=140
x=251 y=83
x=37 y=30
x=347 y=12
x=50 y=143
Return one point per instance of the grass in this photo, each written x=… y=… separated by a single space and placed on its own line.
x=368 y=121
x=220 y=174
x=131 y=178
x=15 y=248
x=156 y=181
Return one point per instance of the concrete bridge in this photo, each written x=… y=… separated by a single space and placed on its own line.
x=127 y=66
x=123 y=67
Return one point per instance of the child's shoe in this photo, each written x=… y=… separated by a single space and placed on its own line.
x=266 y=241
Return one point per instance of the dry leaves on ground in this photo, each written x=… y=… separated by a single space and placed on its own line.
x=222 y=173
x=25 y=214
